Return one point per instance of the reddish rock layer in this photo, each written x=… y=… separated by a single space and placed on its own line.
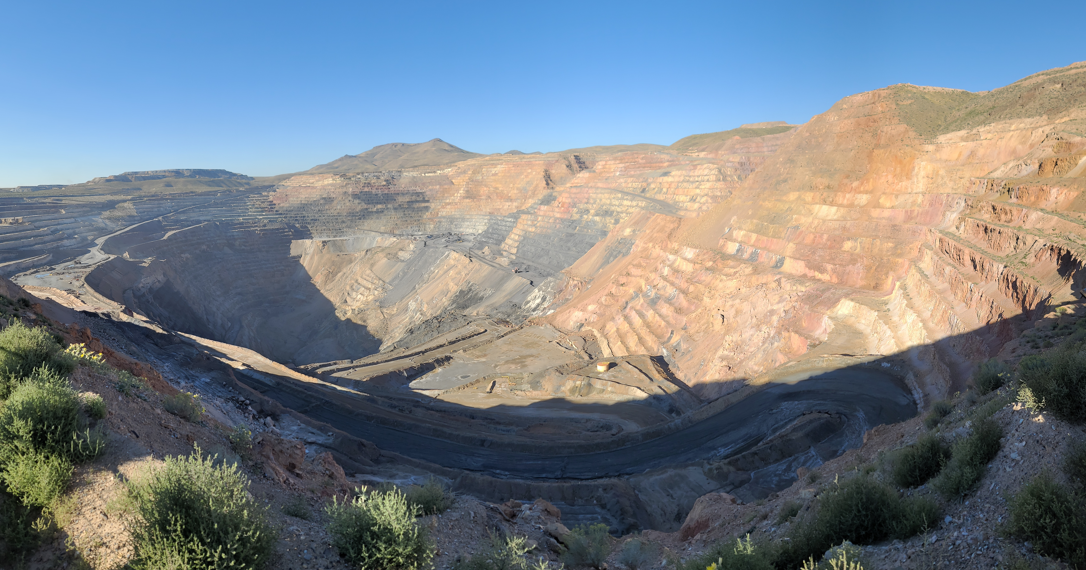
x=867 y=232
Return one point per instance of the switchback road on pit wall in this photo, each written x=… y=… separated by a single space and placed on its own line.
x=863 y=396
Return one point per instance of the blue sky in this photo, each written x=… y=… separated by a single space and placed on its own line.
x=91 y=89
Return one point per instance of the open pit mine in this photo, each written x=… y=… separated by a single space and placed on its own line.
x=618 y=330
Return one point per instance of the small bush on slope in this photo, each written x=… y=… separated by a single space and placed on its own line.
x=1057 y=381
x=37 y=479
x=862 y=511
x=23 y=350
x=431 y=498
x=788 y=511
x=939 y=410
x=17 y=534
x=921 y=461
x=241 y=441
x=969 y=460
x=1074 y=463
x=990 y=376
x=738 y=555
x=94 y=405
x=39 y=417
x=297 y=507
x=637 y=554
x=1051 y=517
x=378 y=531
x=184 y=405
x=42 y=431
x=192 y=514
x=587 y=545
x=504 y=554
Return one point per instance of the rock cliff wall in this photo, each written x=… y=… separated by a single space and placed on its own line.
x=870 y=231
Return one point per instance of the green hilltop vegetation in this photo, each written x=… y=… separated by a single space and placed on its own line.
x=932 y=112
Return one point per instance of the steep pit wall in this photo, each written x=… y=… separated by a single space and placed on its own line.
x=535 y=212
x=859 y=235
x=238 y=285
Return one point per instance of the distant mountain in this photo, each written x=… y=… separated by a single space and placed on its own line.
x=145 y=175
x=166 y=181
x=396 y=156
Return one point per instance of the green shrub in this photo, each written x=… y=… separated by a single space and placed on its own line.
x=297 y=507
x=921 y=461
x=969 y=460
x=94 y=405
x=184 y=405
x=1052 y=518
x=990 y=376
x=241 y=440
x=637 y=554
x=130 y=385
x=37 y=479
x=193 y=514
x=1057 y=380
x=939 y=410
x=23 y=350
x=738 y=555
x=503 y=554
x=376 y=531
x=788 y=510
x=18 y=535
x=39 y=418
x=587 y=545
x=431 y=497
x=862 y=511
x=1074 y=463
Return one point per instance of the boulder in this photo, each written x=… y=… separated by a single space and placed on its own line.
x=708 y=511
x=557 y=530
x=547 y=508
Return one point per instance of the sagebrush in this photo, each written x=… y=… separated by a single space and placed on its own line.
x=377 y=530
x=431 y=498
x=24 y=349
x=990 y=376
x=508 y=553
x=939 y=410
x=969 y=460
x=917 y=463
x=1057 y=381
x=861 y=510
x=191 y=513
x=1051 y=517
x=587 y=545
x=637 y=554
x=184 y=405
x=739 y=554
